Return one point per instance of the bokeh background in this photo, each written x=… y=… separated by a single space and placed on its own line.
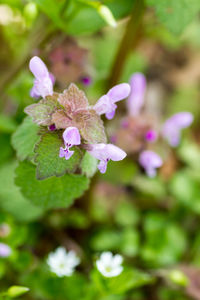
x=153 y=223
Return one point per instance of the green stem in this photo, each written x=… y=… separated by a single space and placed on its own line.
x=129 y=41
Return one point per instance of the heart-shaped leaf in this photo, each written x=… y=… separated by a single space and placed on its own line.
x=53 y=192
x=25 y=138
x=42 y=111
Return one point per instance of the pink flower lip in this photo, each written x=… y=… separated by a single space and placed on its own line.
x=71 y=137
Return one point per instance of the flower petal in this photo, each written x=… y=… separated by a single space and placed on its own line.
x=71 y=136
x=180 y=120
x=103 y=105
x=102 y=166
x=136 y=98
x=119 y=92
x=107 y=152
x=150 y=160
x=110 y=115
x=38 y=68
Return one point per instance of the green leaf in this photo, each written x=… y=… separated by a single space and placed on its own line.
x=175 y=14
x=53 y=10
x=11 y=200
x=16 y=291
x=42 y=112
x=89 y=165
x=25 y=138
x=53 y=192
x=86 y=20
x=127 y=280
x=47 y=157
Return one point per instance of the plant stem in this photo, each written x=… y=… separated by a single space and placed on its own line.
x=128 y=42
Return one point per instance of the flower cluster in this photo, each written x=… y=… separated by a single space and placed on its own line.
x=139 y=131
x=63 y=263
x=71 y=111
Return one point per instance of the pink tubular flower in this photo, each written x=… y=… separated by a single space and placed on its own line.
x=151 y=136
x=171 y=130
x=43 y=83
x=106 y=104
x=5 y=250
x=106 y=152
x=71 y=137
x=136 y=98
x=150 y=160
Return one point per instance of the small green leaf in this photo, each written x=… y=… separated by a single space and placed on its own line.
x=176 y=14
x=42 y=112
x=16 y=291
x=47 y=157
x=89 y=165
x=25 y=138
x=53 y=192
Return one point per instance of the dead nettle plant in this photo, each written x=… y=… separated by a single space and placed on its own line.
x=62 y=141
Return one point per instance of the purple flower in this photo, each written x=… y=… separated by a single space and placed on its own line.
x=149 y=160
x=106 y=152
x=86 y=80
x=106 y=104
x=151 y=136
x=71 y=137
x=5 y=250
x=52 y=127
x=43 y=83
x=171 y=130
x=136 y=98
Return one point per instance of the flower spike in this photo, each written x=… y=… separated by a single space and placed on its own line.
x=106 y=104
x=71 y=137
x=106 y=152
x=43 y=83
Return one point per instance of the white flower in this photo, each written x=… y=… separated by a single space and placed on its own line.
x=110 y=265
x=62 y=263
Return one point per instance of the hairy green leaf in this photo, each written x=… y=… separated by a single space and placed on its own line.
x=53 y=192
x=42 y=111
x=47 y=157
x=25 y=138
